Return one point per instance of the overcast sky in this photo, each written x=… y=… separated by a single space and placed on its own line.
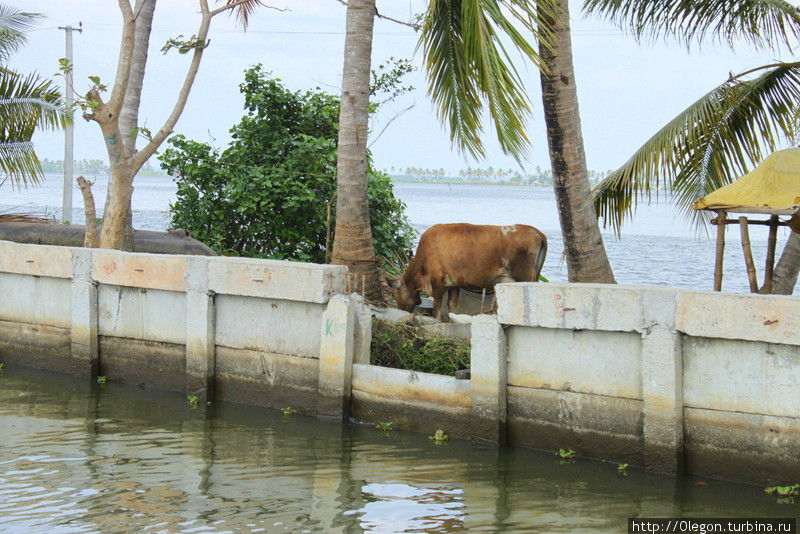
x=627 y=91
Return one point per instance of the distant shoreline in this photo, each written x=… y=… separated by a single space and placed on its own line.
x=459 y=182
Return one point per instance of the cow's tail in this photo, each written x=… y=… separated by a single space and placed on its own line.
x=539 y=262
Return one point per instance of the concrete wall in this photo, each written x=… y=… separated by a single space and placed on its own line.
x=248 y=328
x=667 y=379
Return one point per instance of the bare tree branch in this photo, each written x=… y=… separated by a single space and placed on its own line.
x=397 y=115
x=90 y=237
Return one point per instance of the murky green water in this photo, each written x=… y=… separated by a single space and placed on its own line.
x=118 y=459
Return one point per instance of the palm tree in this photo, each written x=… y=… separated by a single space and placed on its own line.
x=725 y=132
x=468 y=66
x=27 y=102
x=352 y=245
x=583 y=244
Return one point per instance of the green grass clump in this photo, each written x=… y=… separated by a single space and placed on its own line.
x=404 y=346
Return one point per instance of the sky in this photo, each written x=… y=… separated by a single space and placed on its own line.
x=626 y=90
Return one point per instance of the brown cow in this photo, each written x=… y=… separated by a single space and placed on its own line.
x=469 y=256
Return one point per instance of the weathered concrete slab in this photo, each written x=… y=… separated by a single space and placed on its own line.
x=743 y=447
x=419 y=402
x=146 y=271
x=593 y=425
x=35 y=260
x=37 y=346
x=35 y=300
x=411 y=386
x=742 y=376
x=770 y=318
x=570 y=306
x=275 y=279
x=151 y=364
x=266 y=379
x=147 y=314
x=599 y=362
x=268 y=325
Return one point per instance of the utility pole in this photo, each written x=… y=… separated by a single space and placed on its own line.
x=66 y=204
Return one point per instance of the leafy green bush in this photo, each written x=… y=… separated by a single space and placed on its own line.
x=270 y=192
x=407 y=347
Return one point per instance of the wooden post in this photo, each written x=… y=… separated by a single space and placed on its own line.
x=720 y=251
x=771 y=242
x=748 y=255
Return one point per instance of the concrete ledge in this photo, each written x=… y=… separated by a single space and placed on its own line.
x=570 y=306
x=36 y=260
x=139 y=270
x=742 y=447
x=601 y=427
x=770 y=318
x=411 y=386
x=286 y=280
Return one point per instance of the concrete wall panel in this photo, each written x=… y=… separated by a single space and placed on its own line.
x=266 y=379
x=592 y=425
x=35 y=300
x=741 y=376
x=268 y=325
x=743 y=447
x=146 y=314
x=599 y=362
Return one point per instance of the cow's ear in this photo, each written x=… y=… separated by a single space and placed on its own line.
x=394 y=283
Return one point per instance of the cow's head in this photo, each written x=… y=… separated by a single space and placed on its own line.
x=406 y=299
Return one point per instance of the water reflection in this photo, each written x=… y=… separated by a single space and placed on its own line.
x=73 y=459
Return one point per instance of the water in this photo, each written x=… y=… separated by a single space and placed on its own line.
x=121 y=459
x=658 y=247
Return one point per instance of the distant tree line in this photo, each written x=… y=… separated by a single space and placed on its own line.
x=91 y=166
x=536 y=176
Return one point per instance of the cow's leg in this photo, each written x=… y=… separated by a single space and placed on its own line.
x=452 y=299
x=498 y=280
x=437 y=292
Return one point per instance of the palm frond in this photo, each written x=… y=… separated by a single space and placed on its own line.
x=13 y=25
x=27 y=103
x=468 y=66
x=763 y=23
x=245 y=10
x=711 y=143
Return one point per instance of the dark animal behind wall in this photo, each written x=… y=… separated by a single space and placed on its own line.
x=473 y=257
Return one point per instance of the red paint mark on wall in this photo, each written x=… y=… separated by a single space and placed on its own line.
x=110 y=267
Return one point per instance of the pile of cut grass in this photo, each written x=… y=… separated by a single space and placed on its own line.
x=404 y=346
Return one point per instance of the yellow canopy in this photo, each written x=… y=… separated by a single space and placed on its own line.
x=773 y=184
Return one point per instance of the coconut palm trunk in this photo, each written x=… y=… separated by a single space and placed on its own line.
x=785 y=276
x=583 y=244
x=352 y=244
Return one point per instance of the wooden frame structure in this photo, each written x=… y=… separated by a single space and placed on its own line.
x=722 y=221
